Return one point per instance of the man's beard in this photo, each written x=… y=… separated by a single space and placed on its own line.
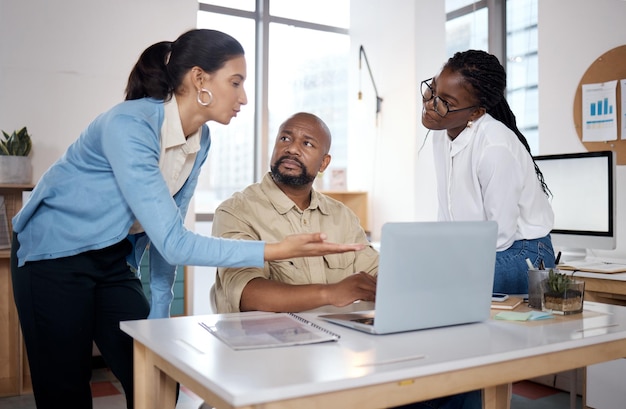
x=299 y=180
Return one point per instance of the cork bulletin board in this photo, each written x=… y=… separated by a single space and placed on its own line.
x=609 y=66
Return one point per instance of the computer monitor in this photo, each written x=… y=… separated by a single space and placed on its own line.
x=583 y=200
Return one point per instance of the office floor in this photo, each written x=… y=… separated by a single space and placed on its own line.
x=531 y=395
x=107 y=395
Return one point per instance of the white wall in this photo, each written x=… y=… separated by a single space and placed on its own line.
x=405 y=44
x=568 y=44
x=64 y=62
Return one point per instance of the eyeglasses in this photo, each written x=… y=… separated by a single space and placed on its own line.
x=440 y=105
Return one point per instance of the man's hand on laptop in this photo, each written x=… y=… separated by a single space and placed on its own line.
x=357 y=287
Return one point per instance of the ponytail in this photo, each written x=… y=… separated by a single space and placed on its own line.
x=149 y=77
x=161 y=67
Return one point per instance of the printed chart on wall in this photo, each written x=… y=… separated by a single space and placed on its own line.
x=599 y=113
x=600 y=104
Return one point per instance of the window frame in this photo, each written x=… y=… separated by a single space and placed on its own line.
x=497 y=43
x=262 y=20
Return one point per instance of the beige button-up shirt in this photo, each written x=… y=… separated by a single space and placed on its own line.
x=263 y=212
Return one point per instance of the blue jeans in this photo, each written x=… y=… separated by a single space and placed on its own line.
x=511 y=273
x=467 y=400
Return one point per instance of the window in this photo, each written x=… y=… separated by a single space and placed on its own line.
x=483 y=25
x=326 y=12
x=312 y=76
x=523 y=67
x=230 y=165
x=468 y=31
x=303 y=50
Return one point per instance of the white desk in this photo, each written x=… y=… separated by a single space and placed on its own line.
x=367 y=371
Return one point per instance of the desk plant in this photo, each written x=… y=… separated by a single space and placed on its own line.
x=15 y=166
x=563 y=294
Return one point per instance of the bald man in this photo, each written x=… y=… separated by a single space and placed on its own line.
x=284 y=202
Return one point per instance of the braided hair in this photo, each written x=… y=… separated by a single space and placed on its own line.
x=487 y=77
x=162 y=66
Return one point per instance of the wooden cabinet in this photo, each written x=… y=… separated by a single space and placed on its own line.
x=356 y=201
x=14 y=374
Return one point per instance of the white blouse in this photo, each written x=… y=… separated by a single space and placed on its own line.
x=485 y=173
x=178 y=153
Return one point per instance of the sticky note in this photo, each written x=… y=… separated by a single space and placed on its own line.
x=513 y=316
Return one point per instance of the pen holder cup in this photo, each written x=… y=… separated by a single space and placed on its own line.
x=535 y=288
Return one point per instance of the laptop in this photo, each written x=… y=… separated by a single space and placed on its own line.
x=430 y=274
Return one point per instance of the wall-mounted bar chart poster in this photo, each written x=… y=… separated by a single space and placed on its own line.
x=599 y=112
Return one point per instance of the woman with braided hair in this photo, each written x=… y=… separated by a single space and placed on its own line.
x=484 y=167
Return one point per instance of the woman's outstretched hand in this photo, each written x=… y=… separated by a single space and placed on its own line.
x=306 y=245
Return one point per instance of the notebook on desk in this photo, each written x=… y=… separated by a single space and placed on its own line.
x=594 y=266
x=430 y=274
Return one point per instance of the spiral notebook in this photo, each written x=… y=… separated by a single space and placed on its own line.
x=267 y=330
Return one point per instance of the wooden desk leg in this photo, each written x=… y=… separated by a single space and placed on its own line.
x=497 y=397
x=153 y=388
x=573 y=386
x=166 y=391
x=145 y=390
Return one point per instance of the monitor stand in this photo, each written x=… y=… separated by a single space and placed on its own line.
x=573 y=254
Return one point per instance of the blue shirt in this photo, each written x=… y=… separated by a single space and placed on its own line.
x=109 y=177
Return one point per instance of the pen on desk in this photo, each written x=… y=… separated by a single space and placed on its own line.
x=592 y=328
x=558 y=258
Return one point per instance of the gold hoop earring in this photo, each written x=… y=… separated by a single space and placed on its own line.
x=204 y=104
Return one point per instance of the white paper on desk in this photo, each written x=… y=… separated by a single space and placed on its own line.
x=599 y=111
x=268 y=330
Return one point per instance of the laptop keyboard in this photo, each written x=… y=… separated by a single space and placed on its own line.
x=366 y=321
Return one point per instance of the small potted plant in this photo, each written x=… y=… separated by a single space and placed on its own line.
x=15 y=166
x=562 y=294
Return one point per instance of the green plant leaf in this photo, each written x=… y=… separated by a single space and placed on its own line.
x=17 y=143
x=558 y=282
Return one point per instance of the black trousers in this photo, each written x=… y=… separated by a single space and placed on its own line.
x=64 y=305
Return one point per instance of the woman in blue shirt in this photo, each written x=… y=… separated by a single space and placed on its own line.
x=126 y=182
